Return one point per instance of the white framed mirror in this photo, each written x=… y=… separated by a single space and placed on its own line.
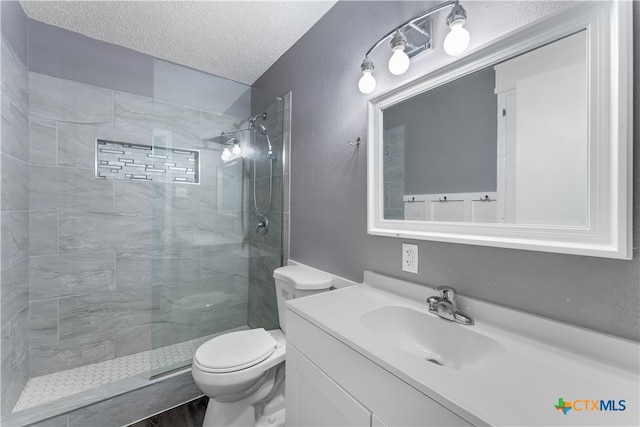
x=525 y=143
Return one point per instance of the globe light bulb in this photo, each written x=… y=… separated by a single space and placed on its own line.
x=236 y=149
x=226 y=154
x=367 y=82
x=399 y=61
x=457 y=40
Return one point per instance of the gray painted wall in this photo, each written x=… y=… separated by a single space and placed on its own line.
x=68 y=55
x=450 y=136
x=328 y=177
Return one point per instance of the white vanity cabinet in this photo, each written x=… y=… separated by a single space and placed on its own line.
x=330 y=384
x=314 y=399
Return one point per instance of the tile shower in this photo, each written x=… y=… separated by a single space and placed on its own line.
x=108 y=277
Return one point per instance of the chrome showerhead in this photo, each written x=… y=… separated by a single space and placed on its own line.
x=253 y=119
x=262 y=129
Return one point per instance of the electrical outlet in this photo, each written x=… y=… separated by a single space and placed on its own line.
x=410 y=258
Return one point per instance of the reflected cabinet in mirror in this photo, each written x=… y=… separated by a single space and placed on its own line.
x=524 y=144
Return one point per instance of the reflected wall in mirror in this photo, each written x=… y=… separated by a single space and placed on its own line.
x=507 y=143
x=525 y=143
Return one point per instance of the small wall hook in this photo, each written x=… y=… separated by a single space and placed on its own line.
x=355 y=144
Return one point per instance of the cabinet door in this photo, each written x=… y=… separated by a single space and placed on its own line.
x=314 y=399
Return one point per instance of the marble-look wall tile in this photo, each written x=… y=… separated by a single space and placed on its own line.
x=138 y=404
x=14 y=227
x=43 y=322
x=178 y=124
x=15 y=184
x=103 y=311
x=43 y=232
x=263 y=307
x=170 y=197
x=175 y=228
x=43 y=142
x=161 y=198
x=213 y=124
x=14 y=78
x=394 y=168
x=206 y=292
x=77 y=143
x=68 y=189
x=262 y=295
x=71 y=353
x=133 y=113
x=225 y=259
x=131 y=196
x=133 y=339
x=178 y=324
x=133 y=268
x=14 y=361
x=54 y=276
x=216 y=228
x=175 y=263
x=396 y=193
x=68 y=101
x=181 y=121
x=15 y=131
x=14 y=237
x=14 y=284
x=273 y=237
x=97 y=231
x=210 y=162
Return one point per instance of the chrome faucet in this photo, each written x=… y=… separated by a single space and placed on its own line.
x=445 y=306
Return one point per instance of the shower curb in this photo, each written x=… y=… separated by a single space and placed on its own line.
x=118 y=404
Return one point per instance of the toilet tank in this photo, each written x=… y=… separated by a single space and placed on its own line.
x=297 y=282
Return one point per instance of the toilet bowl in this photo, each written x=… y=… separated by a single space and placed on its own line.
x=242 y=372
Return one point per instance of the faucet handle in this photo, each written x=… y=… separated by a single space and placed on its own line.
x=447 y=292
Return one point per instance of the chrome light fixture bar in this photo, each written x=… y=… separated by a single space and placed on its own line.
x=455 y=43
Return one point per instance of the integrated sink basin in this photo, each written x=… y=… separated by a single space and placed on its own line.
x=431 y=338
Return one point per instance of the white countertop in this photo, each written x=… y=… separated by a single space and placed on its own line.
x=521 y=386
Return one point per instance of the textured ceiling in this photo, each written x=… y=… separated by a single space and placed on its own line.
x=238 y=40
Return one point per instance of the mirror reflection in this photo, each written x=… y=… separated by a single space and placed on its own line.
x=506 y=144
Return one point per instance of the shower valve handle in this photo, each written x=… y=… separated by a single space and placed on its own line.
x=263 y=225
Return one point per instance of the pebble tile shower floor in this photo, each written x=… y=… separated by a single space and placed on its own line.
x=47 y=388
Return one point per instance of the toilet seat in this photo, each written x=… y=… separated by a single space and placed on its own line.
x=235 y=351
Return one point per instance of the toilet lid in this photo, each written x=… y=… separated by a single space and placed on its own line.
x=302 y=278
x=235 y=350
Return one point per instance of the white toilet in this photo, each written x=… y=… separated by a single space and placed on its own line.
x=242 y=372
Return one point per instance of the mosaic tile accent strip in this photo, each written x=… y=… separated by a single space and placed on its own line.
x=119 y=160
x=47 y=388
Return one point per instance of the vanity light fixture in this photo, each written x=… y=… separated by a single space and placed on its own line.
x=458 y=38
x=414 y=37
x=226 y=154
x=231 y=149
x=399 y=61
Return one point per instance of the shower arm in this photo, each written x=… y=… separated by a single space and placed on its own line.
x=228 y=132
